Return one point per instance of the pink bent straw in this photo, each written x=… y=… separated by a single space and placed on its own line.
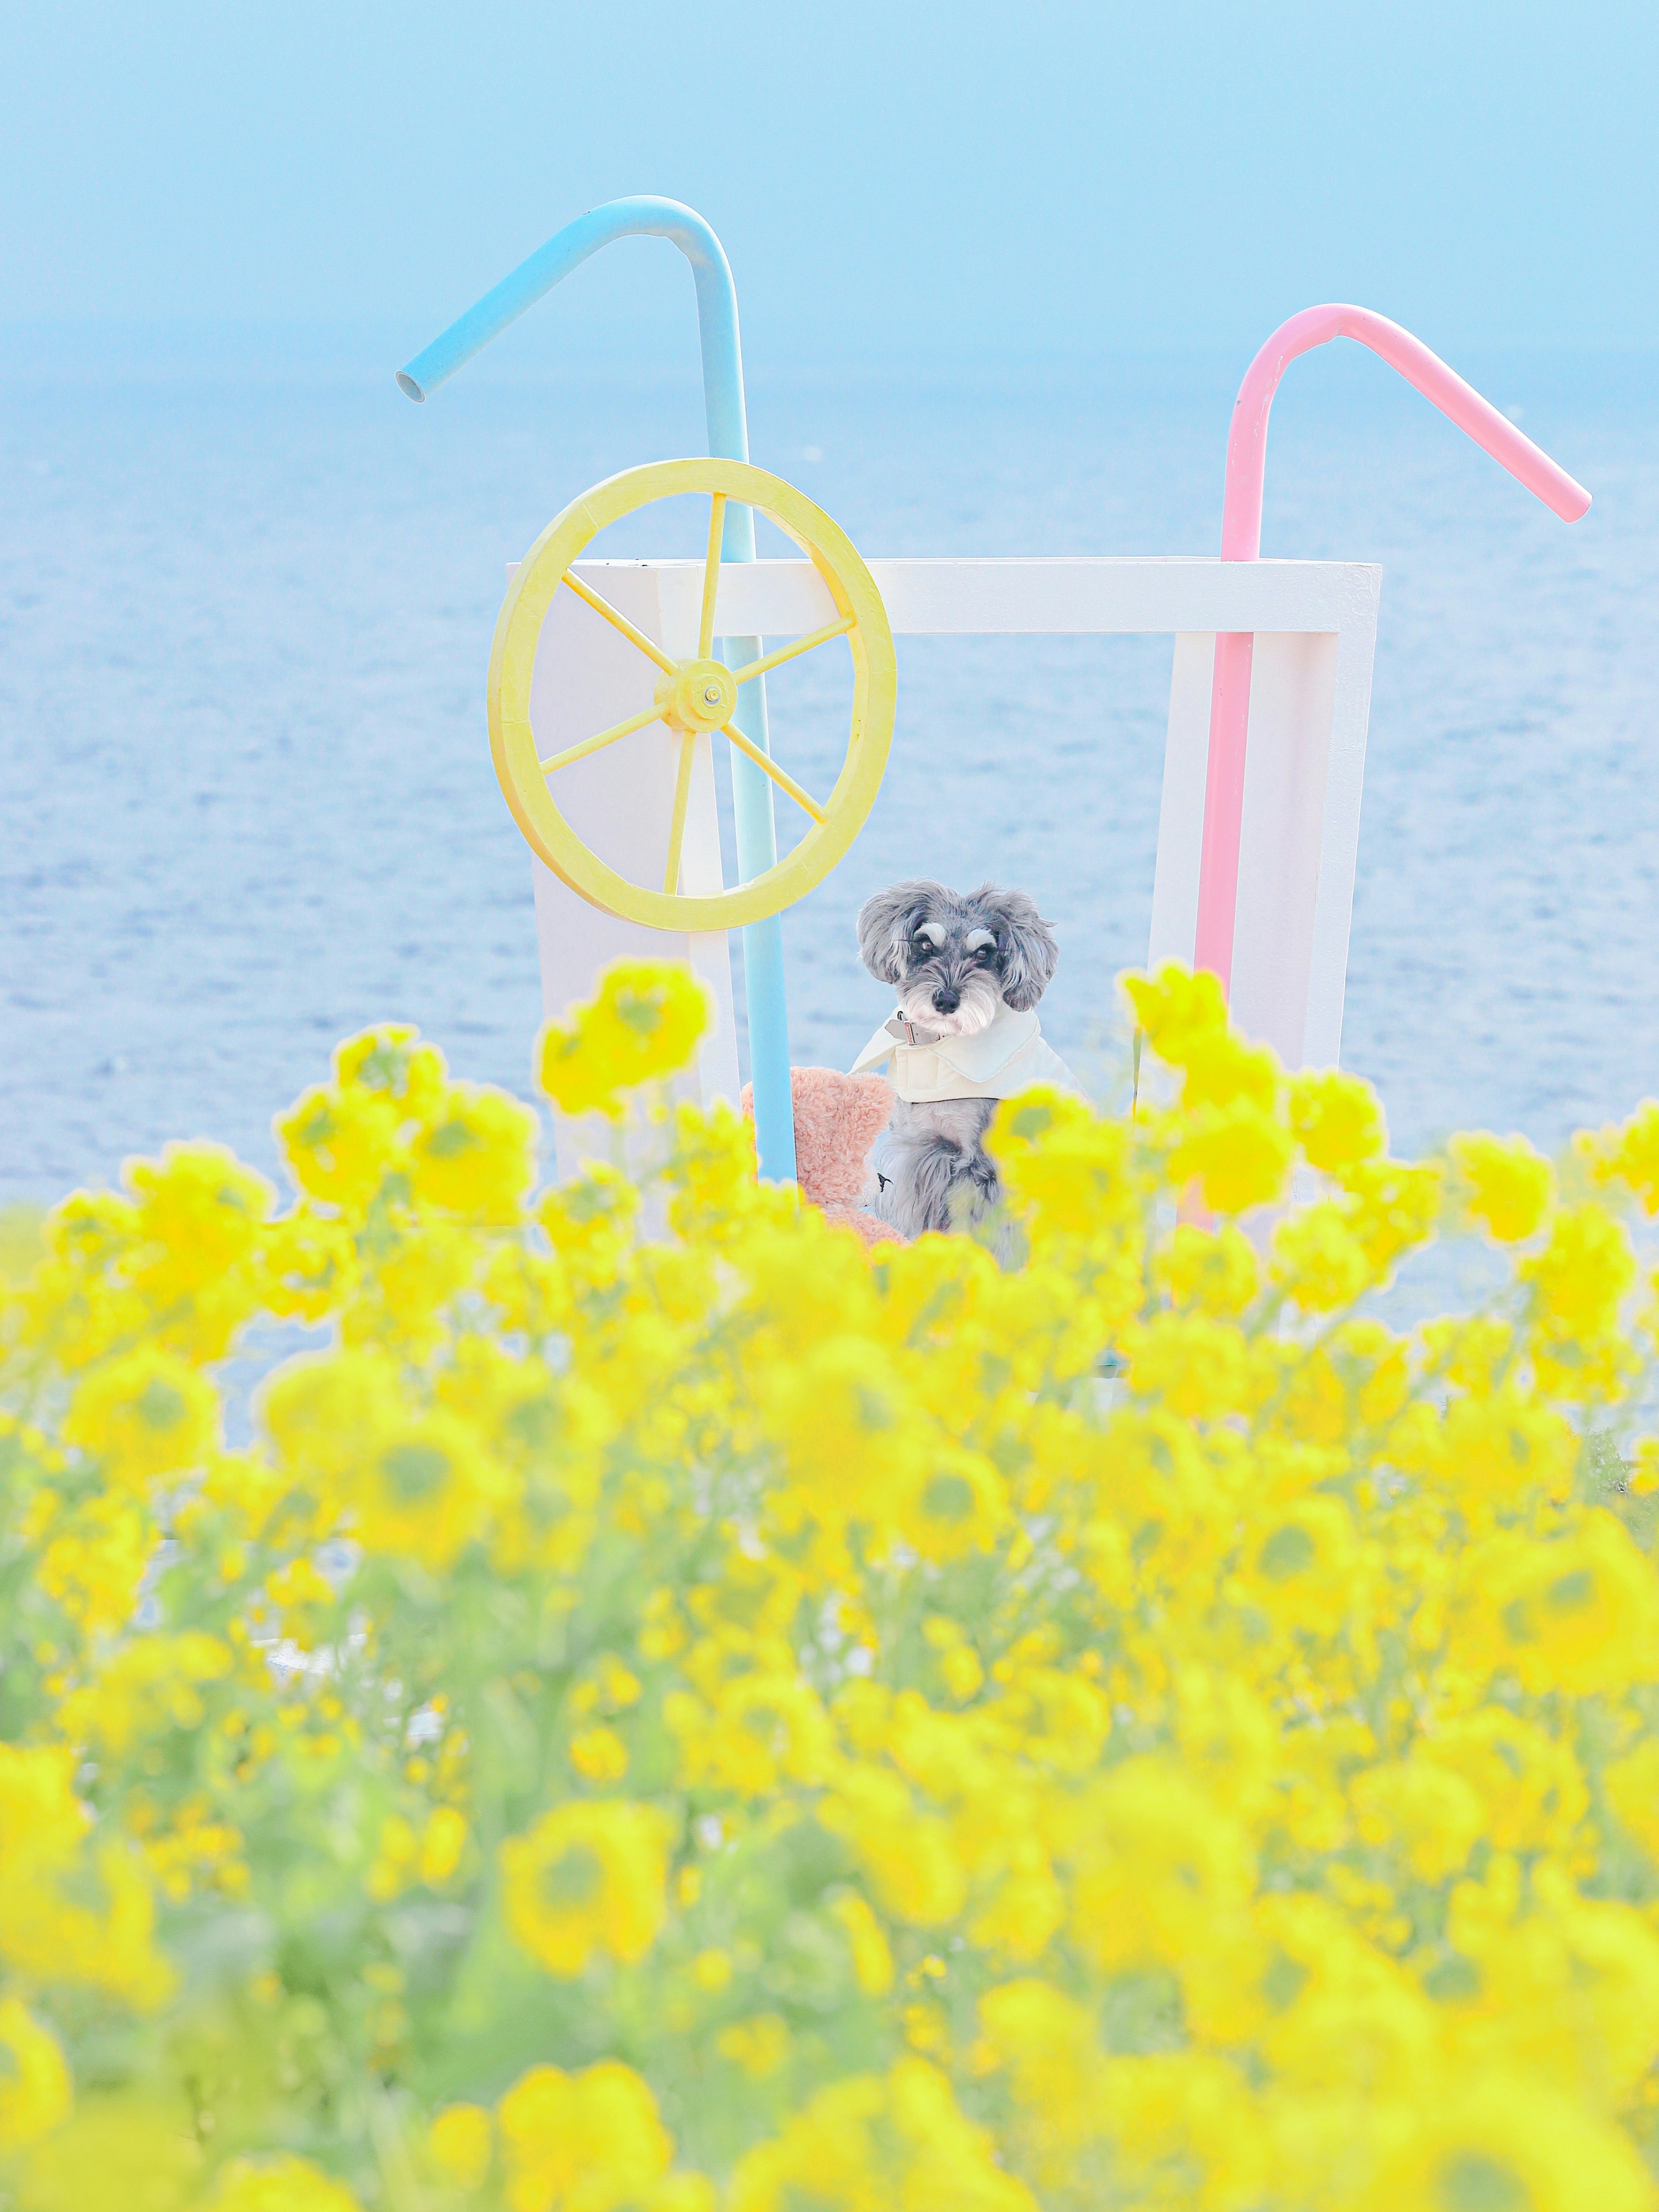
x=1240 y=540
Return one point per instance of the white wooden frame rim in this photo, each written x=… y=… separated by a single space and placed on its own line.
x=1104 y=595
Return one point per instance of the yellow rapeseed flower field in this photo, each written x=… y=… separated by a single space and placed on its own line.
x=655 y=1707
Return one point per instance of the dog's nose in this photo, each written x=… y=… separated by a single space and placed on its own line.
x=946 y=1000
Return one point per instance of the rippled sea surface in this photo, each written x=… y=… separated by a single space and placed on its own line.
x=248 y=806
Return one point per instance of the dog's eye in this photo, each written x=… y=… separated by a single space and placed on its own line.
x=985 y=955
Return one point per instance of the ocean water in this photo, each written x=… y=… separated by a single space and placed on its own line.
x=248 y=806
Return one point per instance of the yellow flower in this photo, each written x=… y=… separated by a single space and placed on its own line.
x=194 y=1854
x=1335 y=1117
x=851 y=1435
x=589 y=1222
x=396 y=1853
x=1198 y=1368
x=322 y=1411
x=280 y=2184
x=145 y=1415
x=1216 y=1272
x=389 y=1062
x=760 y=2046
x=131 y=2150
x=310 y=1265
x=1632 y=1787
x=1643 y=1465
x=682 y=2192
x=477 y=1156
x=598 y=1754
x=1222 y=1071
x=1071 y=1167
x=1532 y=1792
x=1177 y=1009
x=1628 y=1154
x=1024 y=1913
x=197 y=1227
x=1395 y=1207
x=89 y=1923
x=153 y=1683
x=1299 y=1570
x=42 y=1821
x=1318 y=1260
x=1046 y=2040
x=911 y=1858
x=1582 y=1272
x=711 y=1970
x=35 y=2082
x=1156 y=1861
x=956 y=1505
x=1418 y=1807
x=590 y=1878
x=199 y=1212
x=242 y=1487
x=415 y=1283
x=617 y=1684
x=461 y=2142
x=583 y=2143
x=443 y=1842
x=644 y=1023
x=96 y=1558
x=1239 y=1154
x=1471 y=1351
x=1501 y=2140
x=1497 y=1446
x=426 y=1487
x=1181 y=2112
x=870 y=2141
x=341 y=1146
x=1509 y=1187
x=872 y=1961
x=763 y=1725
x=1582 y=1613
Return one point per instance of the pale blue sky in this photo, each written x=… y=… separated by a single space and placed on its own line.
x=961 y=183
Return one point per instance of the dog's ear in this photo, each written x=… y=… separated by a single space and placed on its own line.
x=1026 y=950
x=885 y=924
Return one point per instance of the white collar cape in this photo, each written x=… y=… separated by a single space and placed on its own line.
x=1002 y=1060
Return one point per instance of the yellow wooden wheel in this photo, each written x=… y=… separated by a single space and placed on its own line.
x=693 y=695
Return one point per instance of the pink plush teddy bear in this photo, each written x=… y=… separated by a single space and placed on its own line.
x=837 y=1120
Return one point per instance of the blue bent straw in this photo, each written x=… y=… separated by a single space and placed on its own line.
x=728 y=439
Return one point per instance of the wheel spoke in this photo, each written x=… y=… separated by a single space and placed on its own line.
x=605 y=737
x=789 y=652
x=802 y=799
x=671 y=882
x=711 y=576
x=618 y=620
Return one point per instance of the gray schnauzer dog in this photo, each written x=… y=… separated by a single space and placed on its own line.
x=965 y=966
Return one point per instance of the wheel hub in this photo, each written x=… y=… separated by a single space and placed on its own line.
x=699 y=695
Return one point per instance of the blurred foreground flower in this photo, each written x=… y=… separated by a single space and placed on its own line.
x=645 y=1023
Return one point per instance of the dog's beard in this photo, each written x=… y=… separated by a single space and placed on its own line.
x=980 y=1000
